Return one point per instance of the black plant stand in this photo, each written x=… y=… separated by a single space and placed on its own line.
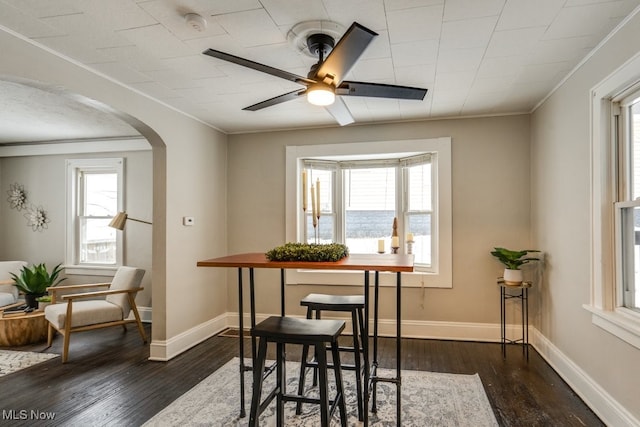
x=523 y=295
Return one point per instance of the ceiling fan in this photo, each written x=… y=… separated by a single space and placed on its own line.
x=325 y=78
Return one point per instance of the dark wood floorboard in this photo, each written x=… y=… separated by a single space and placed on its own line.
x=108 y=380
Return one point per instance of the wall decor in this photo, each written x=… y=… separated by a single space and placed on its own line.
x=17 y=197
x=37 y=218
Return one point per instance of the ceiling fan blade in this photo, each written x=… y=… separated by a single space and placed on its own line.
x=340 y=112
x=345 y=54
x=380 y=90
x=275 y=100
x=257 y=66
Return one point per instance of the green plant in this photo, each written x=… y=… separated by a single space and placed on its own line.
x=513 y=259
x=308 y=252
x=44 y=298
x=36 y=279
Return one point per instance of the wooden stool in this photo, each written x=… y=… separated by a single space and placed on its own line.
x=289 y=330
x=353 y=304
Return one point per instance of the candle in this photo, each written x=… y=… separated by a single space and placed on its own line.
x=395 y=242
x=409 y=237
x=318 y=197
x=304 y=189
x=313 y=204
x=381 y=245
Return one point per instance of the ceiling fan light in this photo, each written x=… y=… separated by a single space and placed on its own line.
x=321 y=95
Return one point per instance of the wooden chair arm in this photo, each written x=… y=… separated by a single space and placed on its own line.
x=101 y=293
x=7 y=282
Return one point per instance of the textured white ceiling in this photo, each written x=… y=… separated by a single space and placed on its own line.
x=476 y=57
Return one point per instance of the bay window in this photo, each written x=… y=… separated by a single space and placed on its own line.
x=363 y=188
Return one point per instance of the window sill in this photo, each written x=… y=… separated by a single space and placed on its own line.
x=89 y=270
x=623 y=323
x=356 y=278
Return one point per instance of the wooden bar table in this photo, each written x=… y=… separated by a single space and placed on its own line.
x=366 y=263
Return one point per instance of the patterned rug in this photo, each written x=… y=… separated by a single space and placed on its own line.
x=428 y=399
x=13 y=361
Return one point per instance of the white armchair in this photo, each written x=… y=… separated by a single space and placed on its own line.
x=8 y=291
x=81 y=311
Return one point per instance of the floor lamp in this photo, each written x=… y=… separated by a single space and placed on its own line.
x=121 y=218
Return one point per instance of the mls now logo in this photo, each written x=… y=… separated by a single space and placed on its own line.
x=23 y=414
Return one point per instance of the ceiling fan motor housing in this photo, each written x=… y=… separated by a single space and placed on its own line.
x=320 y=44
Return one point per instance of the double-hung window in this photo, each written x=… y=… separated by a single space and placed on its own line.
x=627 y=206
x=363 y=189
x=615 y=211
x=94 y=197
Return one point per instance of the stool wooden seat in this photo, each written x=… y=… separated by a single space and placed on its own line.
x=306 y=332
x=354 y=304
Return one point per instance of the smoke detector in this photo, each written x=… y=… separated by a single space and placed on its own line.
x=195 y=21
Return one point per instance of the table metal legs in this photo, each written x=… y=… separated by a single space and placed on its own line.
x=370 y=375
x=243 y=367
x=372 y=379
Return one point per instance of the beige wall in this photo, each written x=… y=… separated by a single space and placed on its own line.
x=561 y=225
x=44 y=178
x=189 y=165
x=490 y=168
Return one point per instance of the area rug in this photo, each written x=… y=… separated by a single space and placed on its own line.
x=428 y=399
x=13 y=361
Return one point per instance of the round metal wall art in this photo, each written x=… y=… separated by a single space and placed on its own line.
x=37 y=218
x=17 y=197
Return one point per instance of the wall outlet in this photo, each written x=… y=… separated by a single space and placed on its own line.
x=188 y=220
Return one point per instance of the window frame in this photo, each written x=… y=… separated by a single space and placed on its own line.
x=605 y=303
x=72 y=253
x=401 y=193
x=441 y=277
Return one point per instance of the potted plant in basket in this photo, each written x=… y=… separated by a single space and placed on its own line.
x=513 y=260
x=34 y=281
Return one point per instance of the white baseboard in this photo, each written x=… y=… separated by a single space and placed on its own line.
x=458 y=331
x=163 y=350
x=145 y=314
x=602 y=403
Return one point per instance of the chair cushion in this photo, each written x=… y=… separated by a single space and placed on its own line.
x=125 y=278
x=85 y=313
x=6 y=299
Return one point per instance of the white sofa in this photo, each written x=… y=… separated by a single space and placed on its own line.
x=8 y=292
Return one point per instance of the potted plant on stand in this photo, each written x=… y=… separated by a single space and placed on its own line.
x=34 y=281
x=513 y=260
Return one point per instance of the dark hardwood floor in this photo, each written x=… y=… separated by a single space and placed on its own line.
x=108 y=380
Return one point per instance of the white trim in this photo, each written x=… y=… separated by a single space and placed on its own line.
x=75 y=147
x=604 y=291
x=610 y=411
x=164 y=350
x=72 y=234
x=622 y=323
x=145 y=314
x=444 y=276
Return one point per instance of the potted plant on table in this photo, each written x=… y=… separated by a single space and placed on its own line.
x=513 y=260
x=34 y=281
